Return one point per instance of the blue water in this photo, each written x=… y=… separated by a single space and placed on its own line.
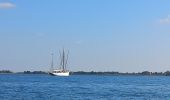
x=83 y=87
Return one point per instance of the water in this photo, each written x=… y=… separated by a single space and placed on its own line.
x=83 y=87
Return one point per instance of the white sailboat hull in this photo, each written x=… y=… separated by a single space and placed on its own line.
x=61 y=73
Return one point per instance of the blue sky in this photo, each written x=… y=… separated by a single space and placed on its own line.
x=101 y=35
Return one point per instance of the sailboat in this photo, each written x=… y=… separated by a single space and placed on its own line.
x=62 y=71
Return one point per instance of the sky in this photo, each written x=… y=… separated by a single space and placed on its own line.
x=101 y=35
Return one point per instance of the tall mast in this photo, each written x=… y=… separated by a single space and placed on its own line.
x=63 y=60
x=52 y=63
x=66 y=58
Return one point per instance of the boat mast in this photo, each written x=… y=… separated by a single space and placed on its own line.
x=52 y=63
x=64 y=59
x=61 y=58
x=63 y=64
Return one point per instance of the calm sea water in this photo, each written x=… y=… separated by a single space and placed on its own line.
x=83 y=87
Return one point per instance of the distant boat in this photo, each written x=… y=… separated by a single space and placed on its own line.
x=62 y=71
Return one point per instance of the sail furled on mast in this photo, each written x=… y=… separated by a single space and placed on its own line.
x=52 y=63
x=64 y=60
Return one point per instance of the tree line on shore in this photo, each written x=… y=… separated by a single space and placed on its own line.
x=167 y=73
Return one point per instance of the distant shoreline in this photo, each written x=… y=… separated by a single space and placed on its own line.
x=144 y=73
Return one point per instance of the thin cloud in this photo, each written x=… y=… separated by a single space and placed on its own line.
x=6 y=5
x=40 y=34
x=78 y=42
x=165 y=20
